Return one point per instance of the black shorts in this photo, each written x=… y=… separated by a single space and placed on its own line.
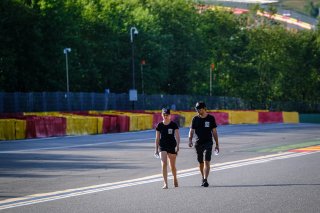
x=204 y=150
x=171 y=150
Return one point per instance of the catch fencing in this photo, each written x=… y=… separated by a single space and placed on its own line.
x=82 y=101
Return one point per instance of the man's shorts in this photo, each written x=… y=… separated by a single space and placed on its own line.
x=204 y=150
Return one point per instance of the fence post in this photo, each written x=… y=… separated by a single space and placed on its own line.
x=16 y=102
x=81 y=101
x=44 y=101
x=31 y=97
x=1 y=102
x=92 y=100
x=69 y=97
x=106 y=98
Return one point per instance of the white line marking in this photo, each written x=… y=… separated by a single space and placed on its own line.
x=45 y=197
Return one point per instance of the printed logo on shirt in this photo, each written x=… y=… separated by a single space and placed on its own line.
x=207 y=124
x=170 y=131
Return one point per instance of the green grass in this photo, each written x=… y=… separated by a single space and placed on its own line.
x=290 y=146
x=297 y=5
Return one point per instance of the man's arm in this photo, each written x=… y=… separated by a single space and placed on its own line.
x=215 y=137
x=191 y=133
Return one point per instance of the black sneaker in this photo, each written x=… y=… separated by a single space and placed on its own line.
x=205 y=183
x=202 y=182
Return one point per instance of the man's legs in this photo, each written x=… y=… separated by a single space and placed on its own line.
x=201 y=166
x=206 y=169
x=200 y=150
x=204 y=152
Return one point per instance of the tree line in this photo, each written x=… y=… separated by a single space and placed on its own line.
x=254 y=58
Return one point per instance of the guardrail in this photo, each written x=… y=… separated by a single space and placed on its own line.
x=16 y=126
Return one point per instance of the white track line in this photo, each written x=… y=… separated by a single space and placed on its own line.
x=45 y=197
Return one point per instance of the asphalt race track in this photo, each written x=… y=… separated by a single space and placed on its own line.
x=261 y=168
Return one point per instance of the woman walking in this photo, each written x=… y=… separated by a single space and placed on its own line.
x=167 y=144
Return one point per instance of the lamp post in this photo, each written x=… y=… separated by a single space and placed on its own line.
x=211 y=69
x=65 y=51
x=133 y=95
x=133 y=32
x=143 y=62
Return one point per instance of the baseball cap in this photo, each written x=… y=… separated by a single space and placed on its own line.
x=166 y=111
x=200 y=105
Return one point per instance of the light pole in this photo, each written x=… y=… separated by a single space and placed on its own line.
x=133 y=95
x=65 y=51
x=211 y=69
x=133 y=32
x=143 y=62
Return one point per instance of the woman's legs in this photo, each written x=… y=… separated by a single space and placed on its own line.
x=172 y=162
x=163 y=157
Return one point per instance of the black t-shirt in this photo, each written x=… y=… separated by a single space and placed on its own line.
x=167 y=138
x=203 y=128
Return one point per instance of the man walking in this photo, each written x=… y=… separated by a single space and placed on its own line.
x=204 y=126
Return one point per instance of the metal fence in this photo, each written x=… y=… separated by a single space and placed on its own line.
x=81 y=101
x=51 y=101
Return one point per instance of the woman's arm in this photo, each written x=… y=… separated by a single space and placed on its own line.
x=177 y=136
x=157 y=141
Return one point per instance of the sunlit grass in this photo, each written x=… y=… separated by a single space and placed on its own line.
x=297 y=5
